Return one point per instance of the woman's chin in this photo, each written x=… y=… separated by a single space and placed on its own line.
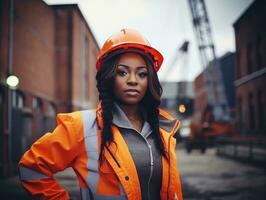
x=130 y=101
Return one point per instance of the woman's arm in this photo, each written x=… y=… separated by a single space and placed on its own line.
x=51 y=153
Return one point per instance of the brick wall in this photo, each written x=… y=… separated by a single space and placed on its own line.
x=250 y=32
x=55 y=67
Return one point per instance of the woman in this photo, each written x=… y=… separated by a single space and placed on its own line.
x=123 y=150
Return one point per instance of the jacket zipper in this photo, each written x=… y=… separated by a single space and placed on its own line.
x=151 y=164
x=151 y=171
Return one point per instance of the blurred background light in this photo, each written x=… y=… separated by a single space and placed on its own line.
x=12 y=81
x=182 y=108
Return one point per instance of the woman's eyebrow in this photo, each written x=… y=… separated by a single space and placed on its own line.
x=126 y=66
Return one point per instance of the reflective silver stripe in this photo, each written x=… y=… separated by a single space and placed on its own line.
x=122 y=191
x=27 y=174
x=91 y=142
x=108 y=197
x=86 y=196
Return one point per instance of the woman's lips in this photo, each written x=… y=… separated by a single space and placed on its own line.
x=132 y=92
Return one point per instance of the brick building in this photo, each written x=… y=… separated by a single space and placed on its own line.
x=52 y=51
x=250 y=33
x=200 y=99
x=226 y=67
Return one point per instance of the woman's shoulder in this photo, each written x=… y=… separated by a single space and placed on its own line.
x=68 y=117
x=77 y=118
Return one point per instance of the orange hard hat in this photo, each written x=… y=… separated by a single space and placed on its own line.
x=127 y=40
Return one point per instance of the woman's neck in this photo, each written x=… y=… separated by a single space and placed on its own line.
x=131 y=111
x=133 y=114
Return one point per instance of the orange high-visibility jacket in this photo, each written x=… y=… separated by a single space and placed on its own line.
x=75 y=143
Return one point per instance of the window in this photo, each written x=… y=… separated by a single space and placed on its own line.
x=37 y=104
x=249 y=59
x=238 y=64
x=51 y=110
x=240 y=112
x=1 y=97
x=84 y=66
x=251 y=109
x=259 y=53
x=17 y=99
x=261 y=109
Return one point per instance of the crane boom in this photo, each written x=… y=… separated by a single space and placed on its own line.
x=213 y=81
x=203 y=32
x=183 y=49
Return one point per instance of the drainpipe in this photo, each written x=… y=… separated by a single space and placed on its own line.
x=10 y=71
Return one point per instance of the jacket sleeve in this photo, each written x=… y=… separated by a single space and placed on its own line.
x=53 y=152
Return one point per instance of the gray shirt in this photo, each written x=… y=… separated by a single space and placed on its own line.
x=144 y=152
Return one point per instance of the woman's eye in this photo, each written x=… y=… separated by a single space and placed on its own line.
x=121 y=73
x=143 y=74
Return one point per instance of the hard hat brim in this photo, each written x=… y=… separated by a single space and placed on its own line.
x=148 y=50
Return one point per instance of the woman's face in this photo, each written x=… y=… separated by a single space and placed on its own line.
x=131 y=79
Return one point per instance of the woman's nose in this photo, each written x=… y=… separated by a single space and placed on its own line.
x=132 y=79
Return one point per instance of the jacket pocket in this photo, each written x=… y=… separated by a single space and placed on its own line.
x=106 y=168
x=108 y=180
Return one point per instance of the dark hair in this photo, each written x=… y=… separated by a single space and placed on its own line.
x=151 y=101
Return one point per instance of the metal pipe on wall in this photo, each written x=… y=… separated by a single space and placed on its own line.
x=10 y=71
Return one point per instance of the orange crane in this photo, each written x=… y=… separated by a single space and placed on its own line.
x=210 y=126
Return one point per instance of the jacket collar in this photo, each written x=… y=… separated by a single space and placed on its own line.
x=120 y=119
x=166 y=121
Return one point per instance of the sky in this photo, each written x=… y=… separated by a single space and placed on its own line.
x=166 y=24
